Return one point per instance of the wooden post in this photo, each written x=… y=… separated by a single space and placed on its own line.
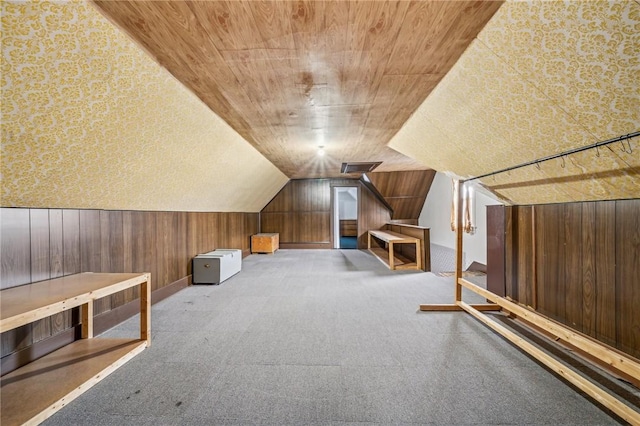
x=534 y=278
x=392 y=264
x=145 y=310
x=459 y=187
x=87 y=320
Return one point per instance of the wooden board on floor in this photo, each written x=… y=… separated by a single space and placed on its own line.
x=39 y=389
x=455 y=307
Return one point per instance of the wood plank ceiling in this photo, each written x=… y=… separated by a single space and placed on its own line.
x=290 y=76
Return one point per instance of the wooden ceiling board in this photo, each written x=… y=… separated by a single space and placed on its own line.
x=281 y=72
x=409 y=50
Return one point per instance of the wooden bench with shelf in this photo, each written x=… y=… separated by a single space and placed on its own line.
x=389 y=257
x=37 y=390
x=407 y=250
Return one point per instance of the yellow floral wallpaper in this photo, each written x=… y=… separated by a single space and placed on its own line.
x=541 y=78
x=91 y=121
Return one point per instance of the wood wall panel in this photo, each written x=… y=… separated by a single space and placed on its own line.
x=313 y=227
x=587 y=266
x=281 y=223
x=628 y=275
x=526 y=259
x=16 y=247
x=549 y=240
x=510 y=253
x=251 y=227
x=70 y=264
x=40 y=264
x=71 y=241
x=496 y=249
x=573 y=273
x=605 y=254
x=282 y=202
x=165 y=240
x=372 y=214
x=111 y=255
x=43 y=243
x=90 y=244
x=588 y=260
x=56 y=244
x=39 y=233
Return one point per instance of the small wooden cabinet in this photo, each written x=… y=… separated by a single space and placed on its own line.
x=265 y=243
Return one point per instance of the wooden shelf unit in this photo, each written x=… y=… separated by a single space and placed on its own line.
x=37 y=390
x=389 y=257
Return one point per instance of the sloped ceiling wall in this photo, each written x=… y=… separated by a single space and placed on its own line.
x=404 y=191
x=541 y=78
x=90 y=121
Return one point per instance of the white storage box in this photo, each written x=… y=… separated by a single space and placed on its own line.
x=216 y=266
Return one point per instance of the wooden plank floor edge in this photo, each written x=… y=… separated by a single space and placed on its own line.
x=135 y=347
x=609 y=401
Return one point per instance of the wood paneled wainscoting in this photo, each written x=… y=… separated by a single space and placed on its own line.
x=40 y=244
x=302 y=213
x=577 y=263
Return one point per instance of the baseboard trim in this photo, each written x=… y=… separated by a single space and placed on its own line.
x=37 y=350
x=101 y=323
x=326 y=245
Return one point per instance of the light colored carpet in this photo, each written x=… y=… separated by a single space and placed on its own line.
x=324 y=337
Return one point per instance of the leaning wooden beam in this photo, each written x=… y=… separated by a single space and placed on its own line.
x=606 y=399
x=484 y=307
x=610 y=357
x=459 y=194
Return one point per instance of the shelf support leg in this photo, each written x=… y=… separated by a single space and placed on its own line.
x=87 y=320
x=145 y=310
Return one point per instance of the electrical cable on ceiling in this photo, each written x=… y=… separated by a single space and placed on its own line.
x=596 y=145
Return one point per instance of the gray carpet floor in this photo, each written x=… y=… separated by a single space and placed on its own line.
x=324 y=337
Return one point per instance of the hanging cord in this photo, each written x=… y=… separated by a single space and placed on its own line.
x=621 y=139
